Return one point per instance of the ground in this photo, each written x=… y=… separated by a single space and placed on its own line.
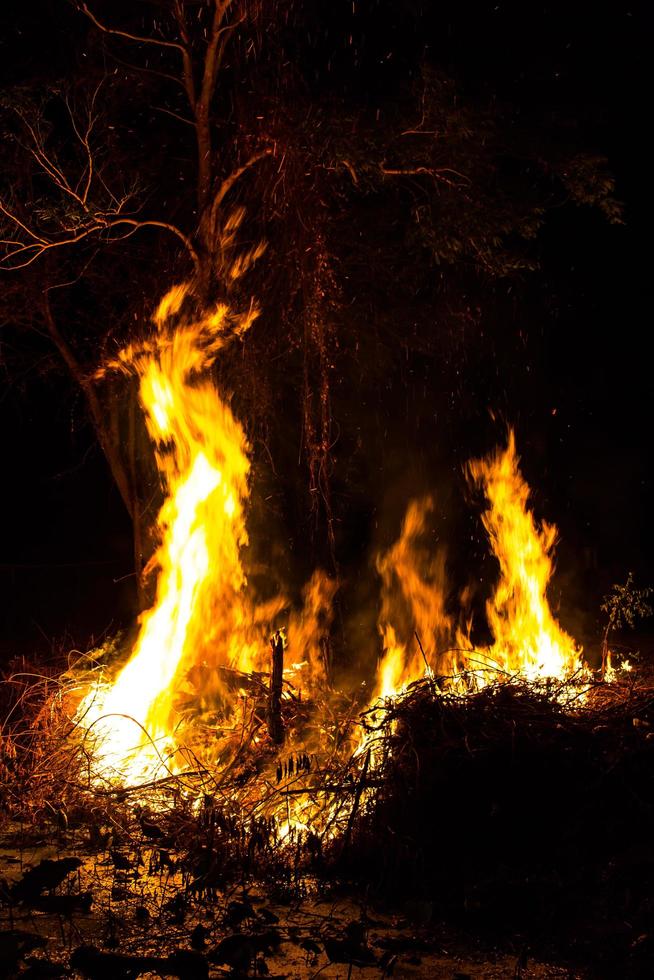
x=134 y=903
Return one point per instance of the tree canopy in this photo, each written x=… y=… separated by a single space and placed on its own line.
x=391 y=192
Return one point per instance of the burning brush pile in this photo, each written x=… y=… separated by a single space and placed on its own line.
x=505 y=784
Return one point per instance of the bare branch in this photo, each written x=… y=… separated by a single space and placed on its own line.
x=36 y=249
x=174 y=115
x=166 y=225
x=87 y=216
x=17 y=221
x=229 y=181
x=187 y=62
x=353 y=174
x=48 y=163
x=109 y=446
x=438 y=173
x=147 y=71
x=212 y=61
x=85 y=137
x=127 y=36
x=25 y=254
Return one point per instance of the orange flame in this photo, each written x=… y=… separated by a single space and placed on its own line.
x=412 y=613
x=528 y=641
x=203 y=612
x=201 y=608
x=308 y=630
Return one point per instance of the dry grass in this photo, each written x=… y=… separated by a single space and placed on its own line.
x=520 y=808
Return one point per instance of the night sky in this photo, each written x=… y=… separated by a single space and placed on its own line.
x=561 y=355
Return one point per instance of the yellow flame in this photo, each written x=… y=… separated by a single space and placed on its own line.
x=527 y=640
x=201 y=609
x=412 y=613
x=308 y=630
x=204 y=615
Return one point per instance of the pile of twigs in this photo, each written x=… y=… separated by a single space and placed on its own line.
x=39 y=762
x=265 y=808
x=512 y=812
x=516 y=807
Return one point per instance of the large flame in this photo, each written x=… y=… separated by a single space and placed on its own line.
x=420 y=638
x=201 y=607
x=204 y=614
x=528 y=641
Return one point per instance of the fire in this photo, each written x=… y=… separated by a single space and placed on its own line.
x=421 y=638
x=528 y=641
x=413 y=623
x=204 y=613
x=309 y=629
x=201 y=608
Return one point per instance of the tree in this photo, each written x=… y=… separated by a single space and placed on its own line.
x=355 y=186
x=624 y=606
x=77 y=198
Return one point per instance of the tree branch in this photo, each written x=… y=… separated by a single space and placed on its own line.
x=86 y=384
x=212 y=61
x=202 y=105
x=40 y=245
x=127 y=36
x=187 y=62
x=38 y=240
x=174 y=115
x=184 y=239
x=229 y=181
x=438 y=173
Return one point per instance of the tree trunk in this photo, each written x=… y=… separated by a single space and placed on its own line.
x=106 y=431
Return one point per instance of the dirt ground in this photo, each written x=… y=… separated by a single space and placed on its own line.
x=128 y=912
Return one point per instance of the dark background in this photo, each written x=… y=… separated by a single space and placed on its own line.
x=563 y=357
